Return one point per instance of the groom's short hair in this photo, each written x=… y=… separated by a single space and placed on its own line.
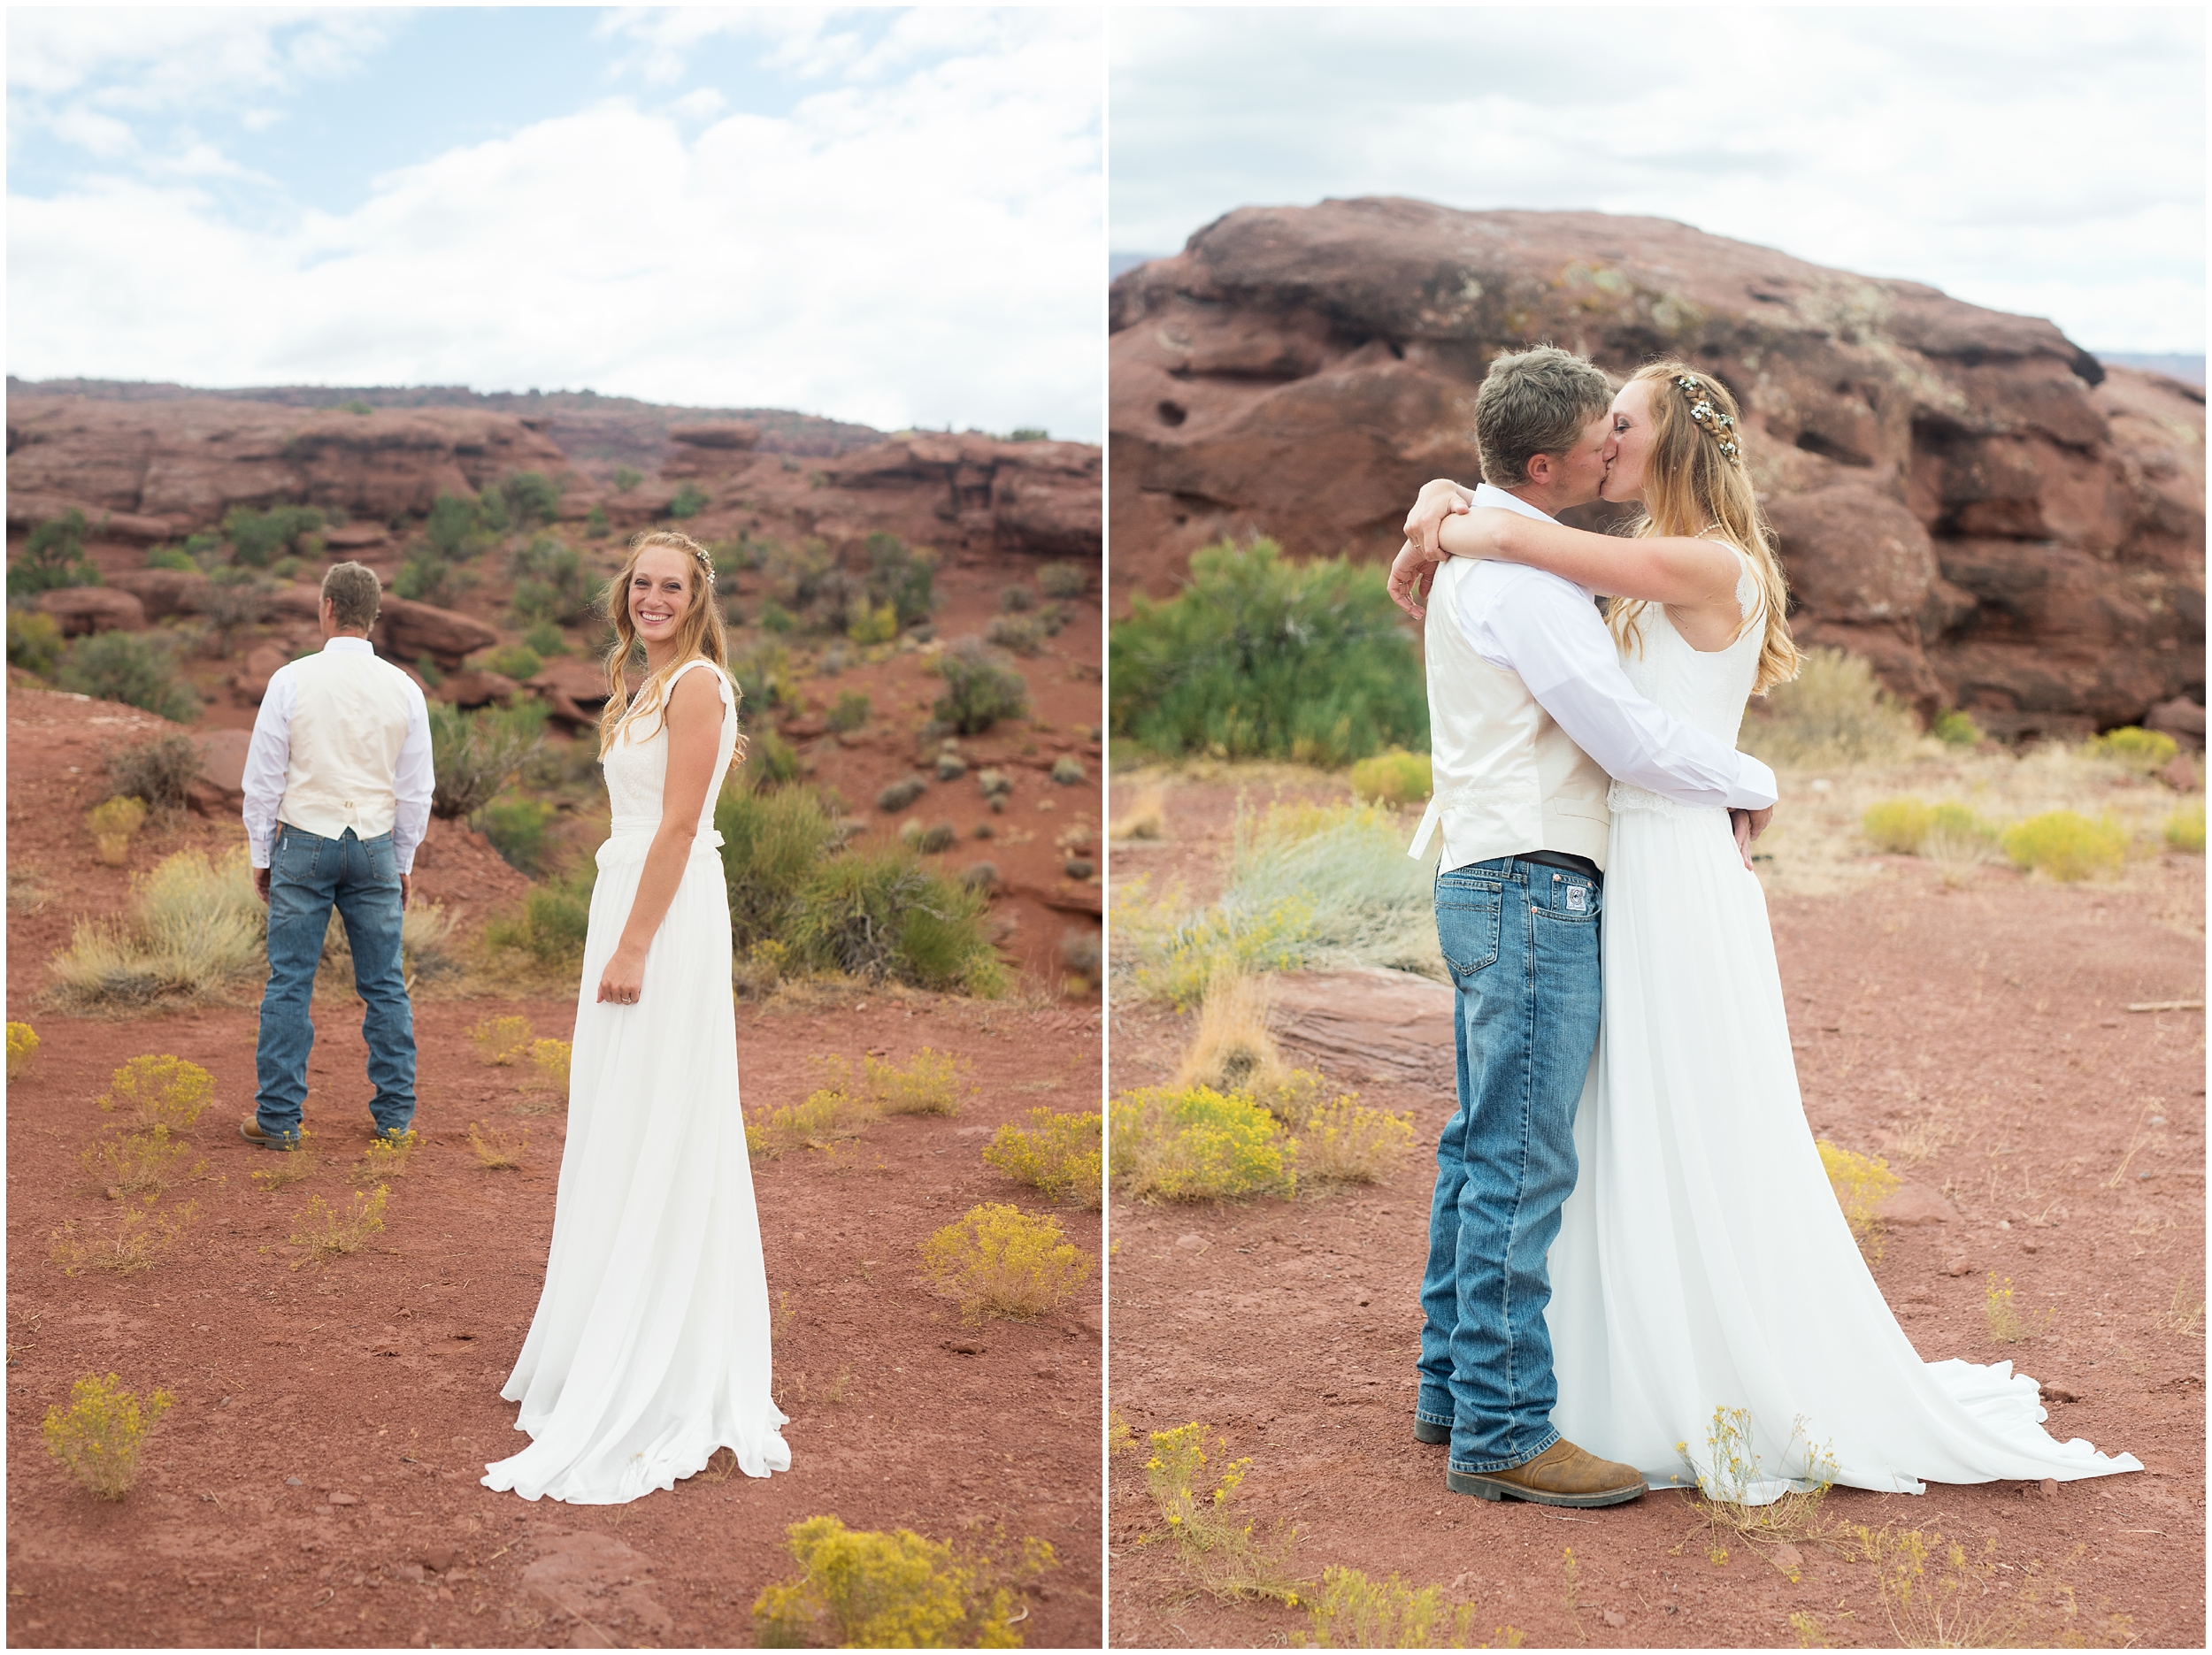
x=1537 y=402
x=354 y=596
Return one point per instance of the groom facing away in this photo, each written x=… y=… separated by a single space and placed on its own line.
x=338 y=784
x=1529 y=714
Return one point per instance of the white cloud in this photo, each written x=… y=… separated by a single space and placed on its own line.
x=1997 y=153
x=921 y=250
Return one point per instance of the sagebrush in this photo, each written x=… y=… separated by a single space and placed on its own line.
x=101 y=1434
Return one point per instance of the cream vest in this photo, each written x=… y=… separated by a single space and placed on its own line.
x=1508 y=780
x=347 y=726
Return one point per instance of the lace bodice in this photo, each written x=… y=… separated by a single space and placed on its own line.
x=637 y=763
x=1705 y=688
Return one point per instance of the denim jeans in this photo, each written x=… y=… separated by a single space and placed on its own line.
x=1521 y=940
x=308 y=875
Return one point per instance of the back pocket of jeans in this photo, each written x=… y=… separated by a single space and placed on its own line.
x=1467 y=921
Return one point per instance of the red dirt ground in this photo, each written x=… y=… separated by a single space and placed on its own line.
x=376 y=1377
x=2002 y=1006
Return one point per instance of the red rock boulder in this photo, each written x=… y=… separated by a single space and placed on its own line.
x=406 y=631
x=78 y=610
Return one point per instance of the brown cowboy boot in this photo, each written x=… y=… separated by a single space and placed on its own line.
x=1562 y=1474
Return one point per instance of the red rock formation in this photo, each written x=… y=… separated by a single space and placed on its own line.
x=1964 y=496
x=407 y=631
x=80 y=609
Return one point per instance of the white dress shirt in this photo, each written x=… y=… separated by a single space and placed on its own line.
x=1546 y=630
x=268 y=760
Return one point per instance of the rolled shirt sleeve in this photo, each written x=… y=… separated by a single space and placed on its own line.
x=413 y=782
x=1546 y=630
x=268 y=758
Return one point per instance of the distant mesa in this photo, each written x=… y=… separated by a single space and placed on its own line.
x=1992 y=516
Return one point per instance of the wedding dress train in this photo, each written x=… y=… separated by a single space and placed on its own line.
x=650 y=1345
x=1702 y=1262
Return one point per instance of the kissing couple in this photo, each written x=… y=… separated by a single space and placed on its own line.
x=649 y=1350
x=1637 y=1273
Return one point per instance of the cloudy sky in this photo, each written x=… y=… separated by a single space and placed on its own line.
x=892 y=217
x=2041 y=160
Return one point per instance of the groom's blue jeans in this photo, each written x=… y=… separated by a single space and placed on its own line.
x=1521 y=940
x=308 y=875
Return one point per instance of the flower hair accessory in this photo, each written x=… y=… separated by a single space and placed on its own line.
x=1722 y=426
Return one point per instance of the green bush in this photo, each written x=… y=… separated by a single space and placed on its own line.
x=1396 y=778
x=880 y=914
x=1023 y=634
x=34 y=641
x=980 y=688
x=532 y=494
x=259 y=538
x=553 y=922
x=765 y=674
x=2066 y=844
x=169 y=557
x=901 y=576
x=2138 y=748
x=1259 y=657
x=1194 y=1143
x=454 y=528
x=53 y=557
x=160 y=772
x=131 y=668
x=1958 y=729
x=1029 y=434
x=770 y=761
x=850 y=712
x=1063 y=580
x=626 y=477
x=772 y=841
x=806 y=586
x=426 y=577
x=477 y=754
x=2184 y=829
x=876 y=625
x=552 y=583
x=689 y=502
x=545 y=640
x=1017 y=600
x=517 y=829
x=517 y=661
x=595 y=525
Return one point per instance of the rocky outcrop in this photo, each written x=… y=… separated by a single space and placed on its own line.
x=78 y=610
x=408 y=630
x=169 y=467
x=729 y=433
x=1964 y=496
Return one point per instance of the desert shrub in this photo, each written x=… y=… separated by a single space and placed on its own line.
x=517 y=661
x=809 y=588
x=425 y=936
x=881 y=915
x=22 y=1047
x=553 y=586
x=1194 y=1144
x=626 y=477
x=901 y=576
x=454 y=528
x=113 y=824
x=928 y=1083
x=862 y=1589
x=2138 y=748
x=387 y=1157
x=551 y=925
x=1022 y=634
x=980 y=688
x=1911 y=827
x=1067 y=769
x=772 y=841
x=2066 y=844
x=165 y=1092
x=477 y=754
x=551 y=1059
x=689 y=502
x=52 y=558
x=1774 y=1510
x=236 y=598
x=764 y=672
x=137 y=1162
x=101 y=1433
x=998 y=1261
x=131 y=668
x=770 y=761
x=1396 y=778
x=325 y=1232
x=1259 y=657
x=532 y=494
x=832 y=1111
x=1343 y=1141
x=169 y=557
x=1017 y=600
x=1058 y=1155
x=502 y=1042
x=1958 y=729
x=193 y=934
x=545 y=640
x=928 y=842
x=1221 y=1553
x=517 y=828
x=1862 y=1183
x=1834 y=712
x=1063 y=580
x=878 y=624
x=2184 y=829
x=33 y=642
x=259 y=538
x=850 y=712
x=139 y=1236
x=496 y=1150
x=160 y=771
x=1354 y=1612
x=901 y=793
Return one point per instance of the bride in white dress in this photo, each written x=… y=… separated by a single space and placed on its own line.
x=649 y=1350
x=1702 y=1262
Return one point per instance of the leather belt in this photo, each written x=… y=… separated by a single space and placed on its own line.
x=1567 y=859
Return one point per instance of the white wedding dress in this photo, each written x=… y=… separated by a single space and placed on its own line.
x=650 y=1345
x=1702 y=1262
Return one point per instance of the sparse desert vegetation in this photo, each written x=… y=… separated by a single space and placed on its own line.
x=864 y=1589
x=101 y=1434
x=323 y=1232
x=998 y=1261
x=1060 y=1156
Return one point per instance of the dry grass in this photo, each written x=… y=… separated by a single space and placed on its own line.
x=503 y=1042
x=998 y=1261
x=1862 y=1183
x=2185 y=1314
x=1777 y=1511
x=1145 y=818
x=831 y=1115
x=113 y=824
x=291 y=1167
x=137 y=1238
x=929 y=1083
x=1224 y=1556
x=1354 y=1612
x=1231 y=1049
x=143 y=1163
x=386 y=1157
x=193 y=935
x=495 y=1151
x=1936 y=1594
x=325 y=1232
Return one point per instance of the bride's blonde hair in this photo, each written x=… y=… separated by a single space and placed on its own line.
x=1695 y=486
x=698 y=633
